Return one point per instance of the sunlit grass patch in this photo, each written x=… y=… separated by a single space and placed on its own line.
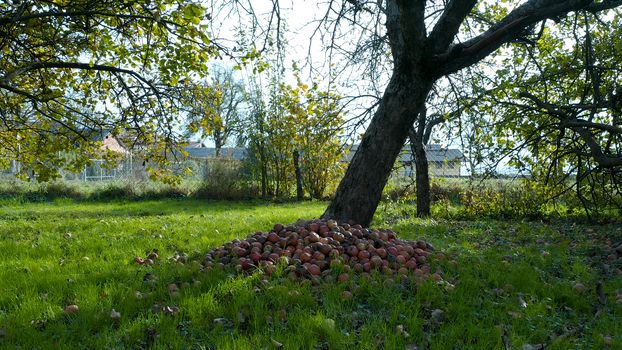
x=503 y=282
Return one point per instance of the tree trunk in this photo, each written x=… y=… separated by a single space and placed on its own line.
x=360 y=190
x=217 y=143
x=422 y=174
x=264 y=182
x=264 y=172
x=299 y=191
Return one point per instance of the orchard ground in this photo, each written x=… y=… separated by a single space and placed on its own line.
x=516 y=284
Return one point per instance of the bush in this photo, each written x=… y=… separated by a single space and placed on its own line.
x=506 y=200
x=226 y=179
x=494 y=198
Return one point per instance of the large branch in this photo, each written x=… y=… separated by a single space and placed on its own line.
x=597 y=152
x=615 y=129
x=511 y=27
x=73 y=14
x=405 y=26
x=7 y=78
x=430 y=125
x=448 y=24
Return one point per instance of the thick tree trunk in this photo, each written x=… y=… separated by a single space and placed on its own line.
x=422 y=174
x=360 y=190
x=299 y=190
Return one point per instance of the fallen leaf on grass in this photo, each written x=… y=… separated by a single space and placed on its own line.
x=437 y=316
x=276 y=344
x=220 y=320
x=115 y=315
x=71 y=309
x=167 y=310
x=608 y=340
x=400 y=330
x=171 y=310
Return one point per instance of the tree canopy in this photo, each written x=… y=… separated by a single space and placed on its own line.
x=554 y=108
x=72 y=69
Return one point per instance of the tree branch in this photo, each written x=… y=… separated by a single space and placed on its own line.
x=430 y=125
x=511 y=27
x=581 y=128
x=73 y=14
x=73 y=65
x=448 y=24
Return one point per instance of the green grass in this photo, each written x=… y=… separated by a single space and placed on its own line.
x=62 y=252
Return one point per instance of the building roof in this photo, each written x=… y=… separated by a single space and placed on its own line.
x=434 y=153
x=237 y=153
x=195 y=144
x=109 y=141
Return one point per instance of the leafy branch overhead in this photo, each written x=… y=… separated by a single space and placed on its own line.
x=554 y=109
x=73 y=68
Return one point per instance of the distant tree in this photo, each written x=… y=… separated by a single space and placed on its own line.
x=294 y=137
x=215 y=108
x=315 y=119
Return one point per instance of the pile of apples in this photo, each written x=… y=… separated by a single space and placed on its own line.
x=317 y=248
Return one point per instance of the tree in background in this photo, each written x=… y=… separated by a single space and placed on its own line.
x=72 y=69
x=215 y=109
x=257 y=136
x=316 y=118
x=296 y=130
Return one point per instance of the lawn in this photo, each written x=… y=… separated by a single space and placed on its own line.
x=512 y=286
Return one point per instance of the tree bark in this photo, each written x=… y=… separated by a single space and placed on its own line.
x=360 y=191
x=422 y=175
x=299 y=190
x=218 y=143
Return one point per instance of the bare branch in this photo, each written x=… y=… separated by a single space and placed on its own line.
x=447 y=26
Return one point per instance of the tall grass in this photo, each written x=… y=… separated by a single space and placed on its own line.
x=456 y=198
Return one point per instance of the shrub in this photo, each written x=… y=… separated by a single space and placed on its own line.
x=226 y=179
x=502 y=199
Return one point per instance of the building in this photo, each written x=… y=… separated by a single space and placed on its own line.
x=98 y=171
x=198 y=150
x=442 y=162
